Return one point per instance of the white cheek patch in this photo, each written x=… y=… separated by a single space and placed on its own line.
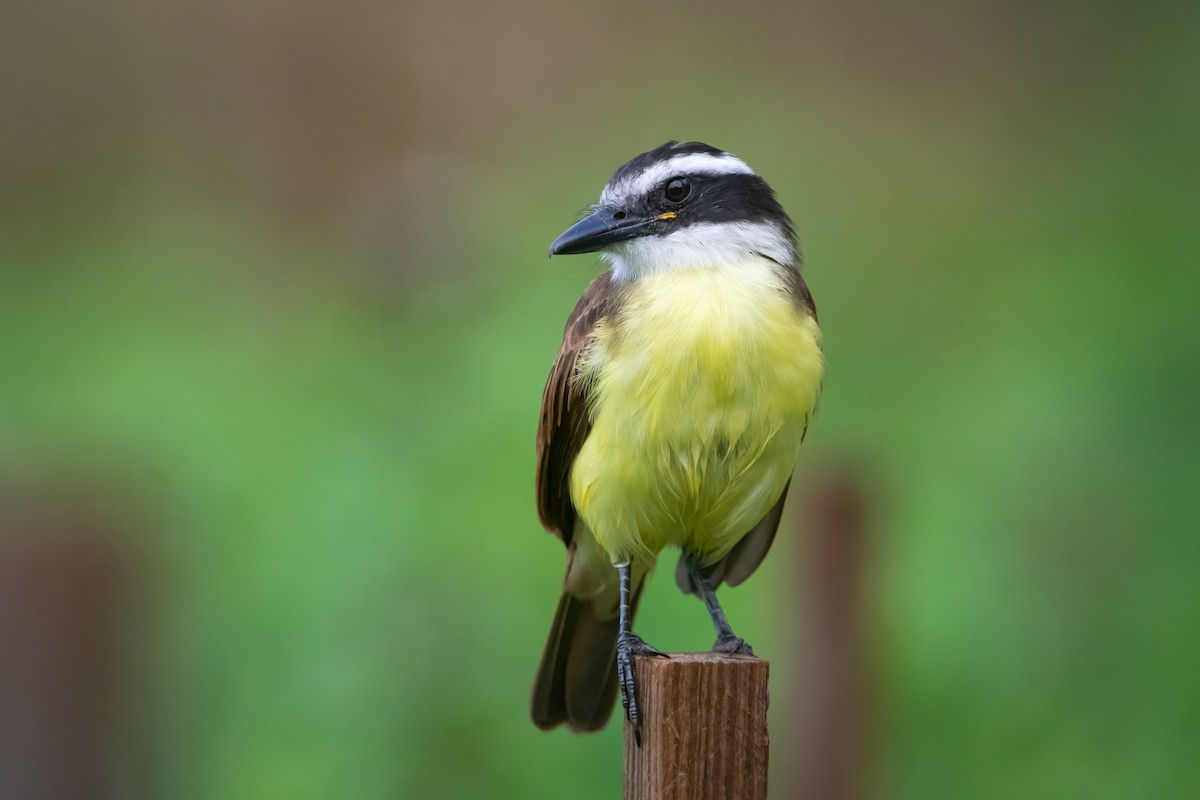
x=641 y=184
x=705 y=244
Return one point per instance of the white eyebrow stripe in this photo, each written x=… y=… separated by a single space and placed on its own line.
x=689 y=164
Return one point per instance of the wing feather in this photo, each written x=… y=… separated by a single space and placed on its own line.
x=565 y=423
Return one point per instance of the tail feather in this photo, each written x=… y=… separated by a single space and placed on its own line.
x=577 y=679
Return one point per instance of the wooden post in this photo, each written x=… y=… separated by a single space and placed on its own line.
x=63 y=576
x=833 y=717
x=704 y=729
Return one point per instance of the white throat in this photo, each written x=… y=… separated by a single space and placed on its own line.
x=713 y=245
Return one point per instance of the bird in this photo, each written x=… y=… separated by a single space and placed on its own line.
x=673 y=414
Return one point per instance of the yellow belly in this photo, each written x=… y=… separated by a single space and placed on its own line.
x=702 y=389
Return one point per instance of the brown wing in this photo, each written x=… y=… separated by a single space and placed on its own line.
x=564 y=422
x=799 y=290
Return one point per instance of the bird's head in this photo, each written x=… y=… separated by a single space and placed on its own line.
x=683 y=206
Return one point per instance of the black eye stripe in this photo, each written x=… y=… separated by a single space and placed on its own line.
x=720 y=198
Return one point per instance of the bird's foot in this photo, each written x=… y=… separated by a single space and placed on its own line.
x=733 y=646
x=628 y=646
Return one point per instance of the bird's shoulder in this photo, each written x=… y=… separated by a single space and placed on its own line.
x=564 y=423
x=797 y=288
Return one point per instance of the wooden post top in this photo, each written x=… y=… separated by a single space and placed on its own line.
x=704 y=729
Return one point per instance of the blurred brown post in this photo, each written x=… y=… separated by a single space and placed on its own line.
x=60 y=580
x=704 y=729
x=831 y=762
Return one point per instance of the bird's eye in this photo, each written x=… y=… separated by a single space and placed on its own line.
x=677 y=189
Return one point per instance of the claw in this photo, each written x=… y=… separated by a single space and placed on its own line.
x=734 y=646
x=629 y=645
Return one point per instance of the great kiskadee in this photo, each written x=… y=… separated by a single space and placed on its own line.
x=674 y=412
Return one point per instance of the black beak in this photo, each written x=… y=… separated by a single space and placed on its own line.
x=598 y=231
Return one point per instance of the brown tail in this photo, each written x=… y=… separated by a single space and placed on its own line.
x=577 y=679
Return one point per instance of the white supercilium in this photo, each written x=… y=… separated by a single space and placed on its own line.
x=691 y=164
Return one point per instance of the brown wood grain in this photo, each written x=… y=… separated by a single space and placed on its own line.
x=704 y=729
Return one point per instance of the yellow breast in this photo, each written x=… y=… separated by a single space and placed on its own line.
x=702 y=387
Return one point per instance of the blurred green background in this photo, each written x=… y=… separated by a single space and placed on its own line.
x=275 y=317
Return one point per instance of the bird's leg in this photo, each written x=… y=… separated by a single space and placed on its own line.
x=629 y=644
x=726 y=642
